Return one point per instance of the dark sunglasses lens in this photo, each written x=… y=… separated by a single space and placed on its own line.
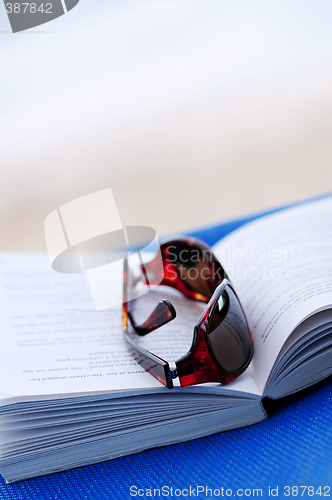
x=228 y=334
x=195 y=266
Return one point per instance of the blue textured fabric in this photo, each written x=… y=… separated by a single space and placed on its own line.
x=293 y=447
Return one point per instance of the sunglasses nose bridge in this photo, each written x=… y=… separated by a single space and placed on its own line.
x=218 y=294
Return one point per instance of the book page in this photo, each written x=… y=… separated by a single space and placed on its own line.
x=281 y=269
x=53 y=341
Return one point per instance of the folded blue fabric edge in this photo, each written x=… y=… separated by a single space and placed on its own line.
x=212 y=234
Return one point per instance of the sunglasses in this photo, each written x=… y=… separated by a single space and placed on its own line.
x=222 y=344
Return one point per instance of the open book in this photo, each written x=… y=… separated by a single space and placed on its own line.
x=71 y=394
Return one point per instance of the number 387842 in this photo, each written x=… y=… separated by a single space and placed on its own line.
x=28 y=8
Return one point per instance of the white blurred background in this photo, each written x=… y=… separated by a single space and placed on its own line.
x=192 y=111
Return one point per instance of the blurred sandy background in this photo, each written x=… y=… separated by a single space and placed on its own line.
x=193 y=112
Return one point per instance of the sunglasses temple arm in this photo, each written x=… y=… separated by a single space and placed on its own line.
x=163 y=313
x=154 y=365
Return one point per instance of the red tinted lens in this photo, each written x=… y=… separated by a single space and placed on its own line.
x=191 y=268
x=228 y=334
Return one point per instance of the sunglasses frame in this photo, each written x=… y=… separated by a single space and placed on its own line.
x=198 y=365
